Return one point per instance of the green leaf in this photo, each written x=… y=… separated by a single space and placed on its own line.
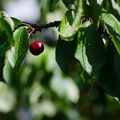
x=11 y=56
x=6 y=36
x=71 y=21
x=90 y=50
x=81 y=53
x=111 y=21
x=5 y=16
x=65 y=54
x=109 y=78
x=8 y=73
x=66 y=60
x=112 y=26
x=16 y=21
x=95 y=50
x=67 y=31
x=21 y=45
x=116 y=41
x=95 y=9
x=79 y=12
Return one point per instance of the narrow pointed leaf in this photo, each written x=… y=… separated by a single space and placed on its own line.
x=16 y=21
x=81 y=52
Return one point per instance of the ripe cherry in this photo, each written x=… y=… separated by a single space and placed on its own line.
x=36 y=47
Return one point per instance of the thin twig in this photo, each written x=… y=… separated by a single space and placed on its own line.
x=40 y=27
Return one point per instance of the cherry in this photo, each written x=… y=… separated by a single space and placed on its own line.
x=36 y=47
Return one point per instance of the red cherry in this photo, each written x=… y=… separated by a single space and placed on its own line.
x=36 y=47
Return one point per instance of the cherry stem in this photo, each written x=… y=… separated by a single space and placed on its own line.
x=40 y=27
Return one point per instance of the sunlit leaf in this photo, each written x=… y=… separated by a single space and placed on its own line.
x=90 y=50
x=112 y=26
x=21 y=45
x=67 y=31
x=82 y=57
x=5 y=16
x=111 y=21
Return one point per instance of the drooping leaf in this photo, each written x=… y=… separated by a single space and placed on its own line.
x=21 y=45
x=66 y=60
x=8 y=73
x=64 y=54
x=81 y=47
x=90 y=50
x=81 y=53
x=109 y=77
x=5 y=16
x=95 y=50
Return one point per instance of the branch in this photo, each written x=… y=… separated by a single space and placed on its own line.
x=40 y=27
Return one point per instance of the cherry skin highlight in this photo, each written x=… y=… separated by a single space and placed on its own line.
x=36 y=47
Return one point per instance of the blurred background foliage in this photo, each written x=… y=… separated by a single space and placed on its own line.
x=41 y=91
